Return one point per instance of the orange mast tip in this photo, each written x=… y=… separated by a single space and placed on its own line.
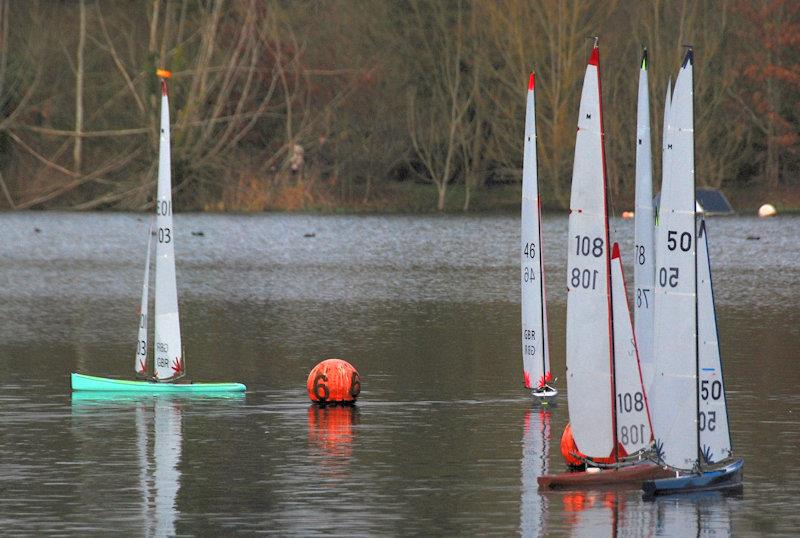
x=163 y=73
x=531 y=81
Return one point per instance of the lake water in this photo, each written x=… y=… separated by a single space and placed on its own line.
x=444 y=439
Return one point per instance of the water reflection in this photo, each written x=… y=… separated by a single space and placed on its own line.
x=158 y=446
x=330 y=436
x=625 y=513
x=535 y=463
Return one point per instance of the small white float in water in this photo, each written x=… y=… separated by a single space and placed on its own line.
x=767 y=210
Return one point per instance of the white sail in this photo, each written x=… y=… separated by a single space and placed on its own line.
x=588 y=296
x=535 y=359
x=633 y=420
x=715 y=439
x=168 y=354
x=644 y=259
x=673 y=395
x=140 y=362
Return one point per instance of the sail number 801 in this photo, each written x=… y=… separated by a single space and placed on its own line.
x=584 y=279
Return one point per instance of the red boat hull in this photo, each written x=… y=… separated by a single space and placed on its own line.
x=632 y=475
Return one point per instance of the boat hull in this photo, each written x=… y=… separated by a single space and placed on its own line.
x=632 y=475
x=723 y=479
x=544 y=394
x=81 y=382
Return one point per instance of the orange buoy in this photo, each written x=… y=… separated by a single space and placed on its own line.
x=627 y=215
x=333 y=381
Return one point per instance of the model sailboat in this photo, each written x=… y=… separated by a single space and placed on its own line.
x=169 y=361
x=689 y=408
x=535 y=353
x=608 y=408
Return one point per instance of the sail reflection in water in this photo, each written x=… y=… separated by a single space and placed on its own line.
x=330 y=435
x=625 y=513
x=535 y=463
x=158 y=443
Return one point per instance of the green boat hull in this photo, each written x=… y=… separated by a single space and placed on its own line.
x=82 y=382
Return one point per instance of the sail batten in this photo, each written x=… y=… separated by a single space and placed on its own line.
x=535 y=358
x=168 y=350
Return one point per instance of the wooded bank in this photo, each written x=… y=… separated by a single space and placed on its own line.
x=331 y=103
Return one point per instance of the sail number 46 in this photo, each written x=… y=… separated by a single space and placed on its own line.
x=529 y=250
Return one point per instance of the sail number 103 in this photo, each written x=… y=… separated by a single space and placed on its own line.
x=163 y=208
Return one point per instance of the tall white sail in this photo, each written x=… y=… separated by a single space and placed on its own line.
x=644 y=259
x=674 y=391
x=168 y=354
x=715 y=438
x=633 y=419
x=535 y=357
x=140 y=362
x=588 y=294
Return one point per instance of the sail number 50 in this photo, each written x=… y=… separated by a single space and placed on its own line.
x=684 y=242
x=670 y=278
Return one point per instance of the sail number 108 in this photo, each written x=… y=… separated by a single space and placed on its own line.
x=585 y=245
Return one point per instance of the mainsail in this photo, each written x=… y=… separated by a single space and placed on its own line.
x=589 y=333
x=674 y=391
x=535 y=356
x=168 y=355
x=140 y=362
x=644 y=262
x=715 y=438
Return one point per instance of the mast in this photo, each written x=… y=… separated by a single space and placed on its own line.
x=612 y=363
x=168 y=351
x=689 y=59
